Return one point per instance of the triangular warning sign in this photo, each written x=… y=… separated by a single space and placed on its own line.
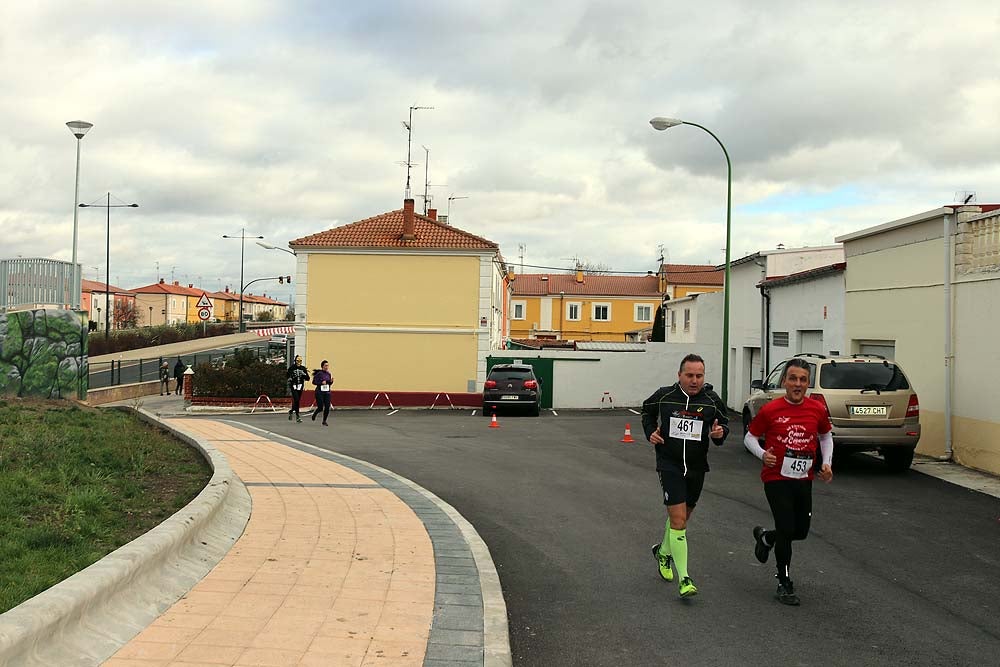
x=204 y=301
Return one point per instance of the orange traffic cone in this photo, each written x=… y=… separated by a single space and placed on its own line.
x=628 y=434
x=493 y=422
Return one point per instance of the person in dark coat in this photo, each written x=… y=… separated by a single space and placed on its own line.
x=297 y=376
x=179 y=375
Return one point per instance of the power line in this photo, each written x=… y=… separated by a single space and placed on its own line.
x=573 y=270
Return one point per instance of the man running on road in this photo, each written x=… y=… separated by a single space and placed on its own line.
x=791 y=426
x=679 y=420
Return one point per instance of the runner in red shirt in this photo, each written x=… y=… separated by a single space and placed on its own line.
x=792 y=427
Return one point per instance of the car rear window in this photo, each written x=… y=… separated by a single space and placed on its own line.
x=852 y=375
x=511 y=374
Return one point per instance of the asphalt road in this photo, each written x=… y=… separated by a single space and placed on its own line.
x=898 y=569
x=147 y=369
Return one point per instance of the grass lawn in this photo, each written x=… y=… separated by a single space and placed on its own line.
x=77 y=483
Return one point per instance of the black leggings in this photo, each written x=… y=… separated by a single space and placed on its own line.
x=296 y=399
x=791 y=505
x=322 y=403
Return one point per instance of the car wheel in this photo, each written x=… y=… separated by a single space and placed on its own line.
x=898 y=459
x=486 y=410
x=535 y=410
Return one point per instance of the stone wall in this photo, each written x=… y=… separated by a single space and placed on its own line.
x=43 y=353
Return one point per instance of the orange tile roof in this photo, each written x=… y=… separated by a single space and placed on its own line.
x=534 y=284
x=164 y=287
x=385 y=230
x=694 y=274
x=94 y=286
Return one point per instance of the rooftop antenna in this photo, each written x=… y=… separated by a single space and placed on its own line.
x=966 y=197
x=450 y=200
x=427 y=167
x=520 y=252
x=409 y=138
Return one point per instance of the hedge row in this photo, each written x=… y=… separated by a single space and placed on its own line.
x=133 y=339
x=242 y=376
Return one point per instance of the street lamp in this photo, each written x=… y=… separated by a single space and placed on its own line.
x=660 y=123
x=78 y=128
x=243 y=238
x=451 y=199
x=268 y=246
x=107 y=261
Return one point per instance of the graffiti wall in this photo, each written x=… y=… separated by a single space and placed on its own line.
x=43 y=353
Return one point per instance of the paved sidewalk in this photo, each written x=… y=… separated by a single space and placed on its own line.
x=340 y=564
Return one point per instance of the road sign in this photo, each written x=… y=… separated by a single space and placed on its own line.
x=204 y=313
x=204 y=302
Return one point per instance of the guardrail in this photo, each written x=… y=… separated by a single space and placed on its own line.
x=114 y=373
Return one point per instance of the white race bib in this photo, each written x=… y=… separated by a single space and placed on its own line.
x=796 y=465
x=685 y=429
x=297 y=387
x=324 y=387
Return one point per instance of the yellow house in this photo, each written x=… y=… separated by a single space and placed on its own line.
x=585 y=307
x=400 y=304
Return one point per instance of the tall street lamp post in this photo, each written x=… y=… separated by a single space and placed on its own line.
x=107 y=260
x=78 y=128
x=242 y=237
x=660 y=123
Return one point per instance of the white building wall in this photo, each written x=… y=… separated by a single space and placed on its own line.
x=744 y=328
x=795 y=260
x=581 y=378
x=814 y=305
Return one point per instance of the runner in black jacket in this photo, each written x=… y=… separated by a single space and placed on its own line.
x=679 y=420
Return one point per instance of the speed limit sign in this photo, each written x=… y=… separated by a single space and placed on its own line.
x=204 y=314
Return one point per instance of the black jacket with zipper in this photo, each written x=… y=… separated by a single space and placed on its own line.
x=667 y=402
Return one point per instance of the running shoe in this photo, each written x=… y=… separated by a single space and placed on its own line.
x=298 y=420
x=760 y=547
x=786 y=594
x=687 y=588
x=664 y=564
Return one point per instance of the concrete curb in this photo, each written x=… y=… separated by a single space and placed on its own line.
x=84 y=619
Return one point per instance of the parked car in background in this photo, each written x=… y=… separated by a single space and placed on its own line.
x=511 y=386
x=870 y=401
x=278 y=341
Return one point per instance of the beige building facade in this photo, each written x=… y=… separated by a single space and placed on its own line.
x=400 y=303
x=925 y=290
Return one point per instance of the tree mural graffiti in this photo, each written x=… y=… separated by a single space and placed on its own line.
x=43 y=353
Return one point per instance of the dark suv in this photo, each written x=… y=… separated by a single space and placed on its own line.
x=870 y=401
x=511 y=385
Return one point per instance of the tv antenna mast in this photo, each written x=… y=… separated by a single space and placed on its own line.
x=409 y=140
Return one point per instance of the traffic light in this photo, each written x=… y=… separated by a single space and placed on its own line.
x=284 y=279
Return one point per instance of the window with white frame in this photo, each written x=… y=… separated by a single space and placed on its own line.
x=517 y=310
x=602 y=312
x=643 y=312
x=687 y=319
x=573 y=312
x=673 y=320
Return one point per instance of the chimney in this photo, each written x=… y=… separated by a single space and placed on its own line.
x=161 y=281
x=191 y=285
x=409 y=227
x=432 y=213
x=579 y=273
x=177 y=283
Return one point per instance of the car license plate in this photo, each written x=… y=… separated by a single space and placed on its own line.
x=509 y=398
x=869 y=410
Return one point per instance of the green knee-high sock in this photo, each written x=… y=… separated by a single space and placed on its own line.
x=679 y=551
x=665 y=542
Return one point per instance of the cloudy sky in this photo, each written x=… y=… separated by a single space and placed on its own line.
x=283 y=119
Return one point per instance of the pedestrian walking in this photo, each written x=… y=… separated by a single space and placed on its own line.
x=679 y=420
x=164 y=378
x=323 y=383
x=297 y=376
x=791 y=427
x=179 y=375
